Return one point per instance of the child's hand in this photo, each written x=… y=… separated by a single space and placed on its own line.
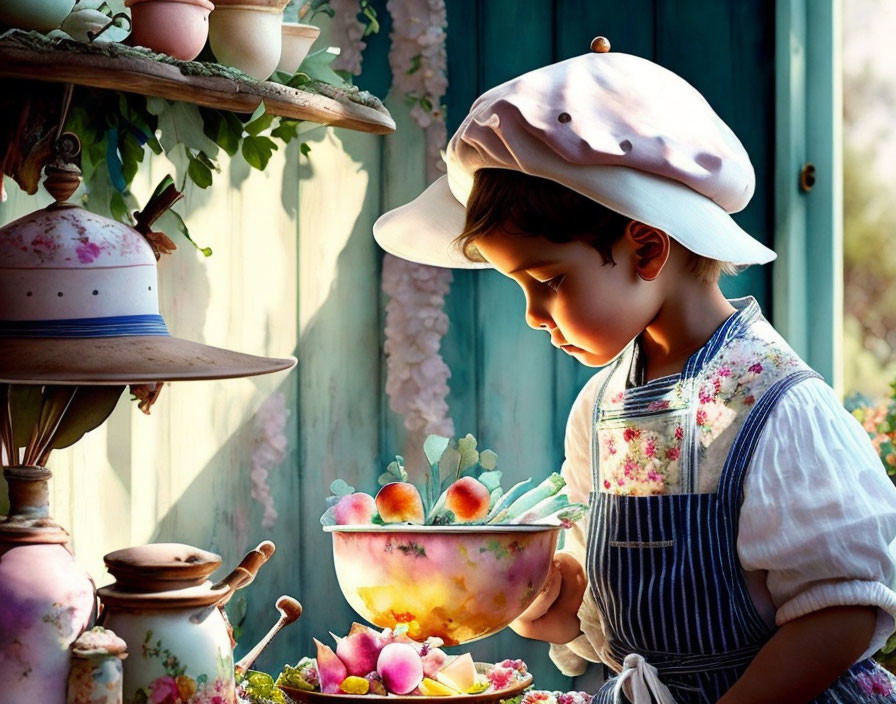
x=553 y=616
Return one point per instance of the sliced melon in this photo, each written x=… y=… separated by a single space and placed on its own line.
x=431 y=688
x=459 y=674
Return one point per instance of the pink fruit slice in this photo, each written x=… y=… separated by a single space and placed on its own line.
x=468 y=499
x=459 y=674
x=359 y=651
x=330 y=668
x=433 y=660
x=400 y=502
x=400 y=667
x=354 y=509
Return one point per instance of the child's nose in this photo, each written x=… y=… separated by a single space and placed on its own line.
x=537 y=317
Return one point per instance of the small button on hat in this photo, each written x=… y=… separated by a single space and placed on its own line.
x=79 y=305
x=613 y=127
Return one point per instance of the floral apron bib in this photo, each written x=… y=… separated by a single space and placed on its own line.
x=669 y=459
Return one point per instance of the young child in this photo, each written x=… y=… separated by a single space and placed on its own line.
x=737 y=547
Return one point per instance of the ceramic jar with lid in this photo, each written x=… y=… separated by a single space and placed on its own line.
x=96 y=676
x=166 y=610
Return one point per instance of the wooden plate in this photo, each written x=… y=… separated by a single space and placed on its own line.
x=301 y=696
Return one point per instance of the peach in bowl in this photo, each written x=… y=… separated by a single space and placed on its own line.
x=459 y=583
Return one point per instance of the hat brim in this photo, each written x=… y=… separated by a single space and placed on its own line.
x=125 y=360
x=425 y=229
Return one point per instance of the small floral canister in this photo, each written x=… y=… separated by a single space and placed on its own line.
x=96 y=674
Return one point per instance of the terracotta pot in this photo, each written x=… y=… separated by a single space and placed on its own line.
x=42 y=15
x=46 y=600
x=297 y=40
x=178 y=28
x=246 y=34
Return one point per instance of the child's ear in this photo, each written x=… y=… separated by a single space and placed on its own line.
x=651 y=249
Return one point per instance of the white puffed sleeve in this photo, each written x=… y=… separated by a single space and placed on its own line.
x=572 y=658
x=819 y=512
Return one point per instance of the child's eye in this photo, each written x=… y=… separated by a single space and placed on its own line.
x=554 y=283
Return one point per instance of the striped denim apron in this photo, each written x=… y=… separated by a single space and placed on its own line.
x=666 y=578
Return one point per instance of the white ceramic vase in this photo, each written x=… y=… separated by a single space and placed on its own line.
x=246 y=34
x=297 y=40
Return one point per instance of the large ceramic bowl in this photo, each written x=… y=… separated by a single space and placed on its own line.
x=459 y=583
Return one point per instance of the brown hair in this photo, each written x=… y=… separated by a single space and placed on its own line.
x=530 y=206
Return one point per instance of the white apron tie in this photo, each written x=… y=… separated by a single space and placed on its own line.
x=641 y=683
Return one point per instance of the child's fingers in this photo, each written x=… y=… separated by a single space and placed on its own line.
x=573 y=583
x=546 y=597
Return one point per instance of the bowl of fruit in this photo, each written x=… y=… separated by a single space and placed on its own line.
x=458 y=560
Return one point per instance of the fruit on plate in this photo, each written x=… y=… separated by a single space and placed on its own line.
x=401 y=666
x=459 y=674
x=431 y=688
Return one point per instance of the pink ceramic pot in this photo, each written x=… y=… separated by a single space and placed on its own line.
x=459 y=583
x=46 y=600
x=178 y=28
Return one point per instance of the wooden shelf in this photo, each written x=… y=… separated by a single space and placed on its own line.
x=32 y=56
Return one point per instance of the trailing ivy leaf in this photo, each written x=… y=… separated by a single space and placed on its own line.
x=299 y=79
x=317 y=66
x=260 y=110
x=257 y=151
x=304 y=148
x=223 y=128
x=373 y=26
x=181 y=227
x=131 y=152
x=119 y=207
x=180 y=123
x=286 y=131
x=199 y=173
x=259 y=124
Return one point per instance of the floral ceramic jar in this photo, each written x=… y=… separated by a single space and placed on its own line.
x=96 y=674
x=46 y=600
x=167 y=612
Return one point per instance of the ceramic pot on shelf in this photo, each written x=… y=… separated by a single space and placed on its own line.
x=178 y=28
x=42 y=15
x=247 y=35
x=297 y=40
x=46 y=600
x=169 y=614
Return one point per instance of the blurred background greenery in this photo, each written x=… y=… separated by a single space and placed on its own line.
x=869 y=203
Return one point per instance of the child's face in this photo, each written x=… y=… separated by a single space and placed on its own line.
x=590 y=310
